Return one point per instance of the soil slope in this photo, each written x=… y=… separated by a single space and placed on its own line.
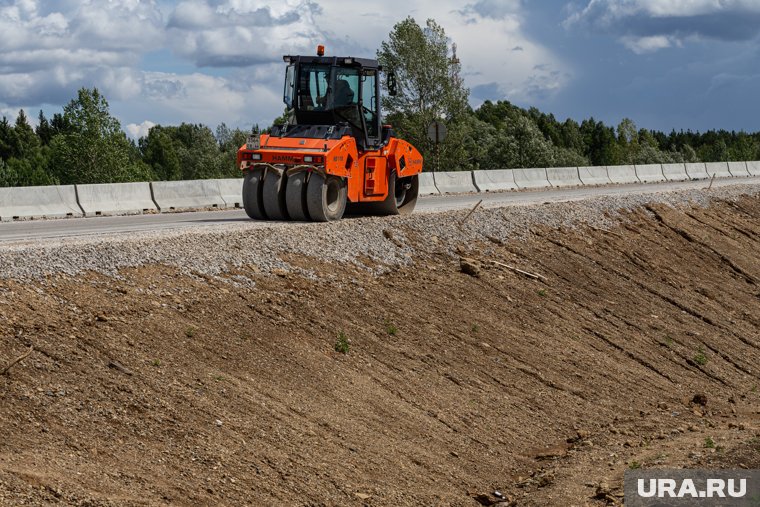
x=637 y=346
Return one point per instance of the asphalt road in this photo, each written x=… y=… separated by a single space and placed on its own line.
x=71 y=227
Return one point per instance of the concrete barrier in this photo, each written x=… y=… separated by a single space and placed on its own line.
x=231 y=190
x=753 y=168
x=718 y=169
x=738 y=169
x=427 y=184
x=451 y=182
x=186 y=195
x=563 y=176
x=52 y=201
x=495 y=180
x=622 y=174
x=650 y=172
x=531 y=178
x=115 y=199
x=675 y=172
x=696 y=171
x=594 y=175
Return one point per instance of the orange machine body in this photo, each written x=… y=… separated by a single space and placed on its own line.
x=367 y=173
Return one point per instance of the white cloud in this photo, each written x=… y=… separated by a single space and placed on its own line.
x=136 y=131
x=50 y=49
x=650 y=25
x=239 y=33
x=642 y=45
x=485 y=32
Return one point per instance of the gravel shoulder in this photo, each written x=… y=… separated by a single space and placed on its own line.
x=201 y=368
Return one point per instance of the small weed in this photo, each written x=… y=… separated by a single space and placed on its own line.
x=700 y=358
x=190 y=332
x=542 y=293
x=475 y=328
x=709 y=443
x=754 y=388
x=218 y=378
x=390 y=327
x=668 y=342
x=634 y=465
x=342 y=344
x=156 y=362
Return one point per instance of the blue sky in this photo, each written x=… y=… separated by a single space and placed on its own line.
x=666 y=64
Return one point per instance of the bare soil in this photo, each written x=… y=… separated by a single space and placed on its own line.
x=640 y=347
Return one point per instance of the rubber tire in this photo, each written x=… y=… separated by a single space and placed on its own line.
x=273 y=195
x=252 y=186
x=326 y=197
x=410 y=199
x=295 y=196
x=390 y=206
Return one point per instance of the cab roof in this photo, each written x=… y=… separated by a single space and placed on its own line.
x=339 y=61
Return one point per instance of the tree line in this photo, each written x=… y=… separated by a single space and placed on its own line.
x=85 y=143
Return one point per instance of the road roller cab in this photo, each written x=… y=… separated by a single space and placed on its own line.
x=334 y=153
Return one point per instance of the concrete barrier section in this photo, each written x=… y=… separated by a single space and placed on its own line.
x=753 y=168
x=650 y=172
x=531 y=178
x=696 y=171
x=427 y=184
x=231 y=190
x=738 y=169
x=675 y=172
x=495 y=180
x=54 y=201
x=453 y=182
x=115 y=199
x=594 y=175
x=186 y=195
x=719 y=169
x=563 y=176
x=622 y=174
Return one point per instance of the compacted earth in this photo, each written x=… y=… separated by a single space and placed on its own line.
x=443 y=377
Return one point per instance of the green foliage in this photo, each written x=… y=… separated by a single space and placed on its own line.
x=700 y=357
x=85 y=144
x=429 y=89
x=709 y=443
x=390 y=327
x=93 y=148
x=342 y=344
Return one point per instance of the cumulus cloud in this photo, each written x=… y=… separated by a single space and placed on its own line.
x=136 y=131
x=485 y=32
x=650 y=25
x=49 y=49
x=239 y=33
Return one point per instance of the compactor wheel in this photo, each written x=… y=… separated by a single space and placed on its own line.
x=295 y=196
x=252 y=187
x=405 y=193
x=326 y=197
x=273 y=195
x=401 y=199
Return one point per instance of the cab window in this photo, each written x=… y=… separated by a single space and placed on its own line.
x=369 y=101
x=313 y=87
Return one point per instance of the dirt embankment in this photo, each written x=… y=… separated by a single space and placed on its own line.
x=639 y=348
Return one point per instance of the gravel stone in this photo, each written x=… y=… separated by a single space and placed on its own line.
x=388 y=241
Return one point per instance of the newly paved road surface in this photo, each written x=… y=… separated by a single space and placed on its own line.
x=71 y=227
